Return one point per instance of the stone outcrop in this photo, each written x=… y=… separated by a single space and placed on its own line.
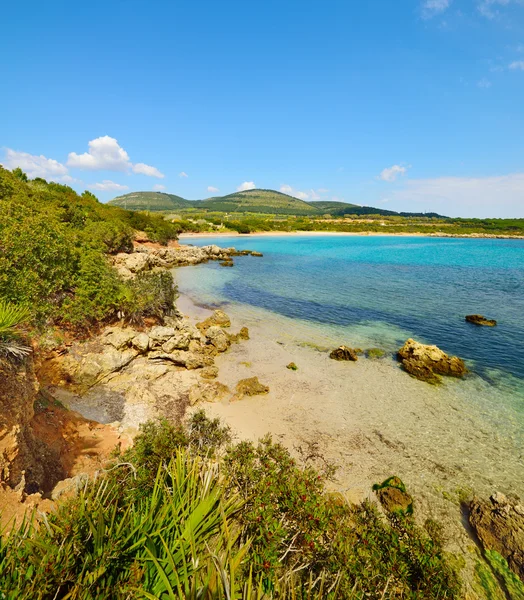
x=146 y=258
x=428 y=363
x=344 y=353
x=499 y=525
x=250 y=387
x=218 y=317
x=480 y=320
x=393 y=496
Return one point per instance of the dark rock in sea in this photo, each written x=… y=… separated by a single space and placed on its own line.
x=393 y=496
x=343 y=353
x=227 y=263
x=499 y=525
x=480 y=320
x=427 y=363
x=253 y=253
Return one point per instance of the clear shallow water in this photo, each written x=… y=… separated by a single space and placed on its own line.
x=377 y=291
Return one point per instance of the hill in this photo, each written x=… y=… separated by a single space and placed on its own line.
x=258 y=201
x=152 y=201
x=327 y=206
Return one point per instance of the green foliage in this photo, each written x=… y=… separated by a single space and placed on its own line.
x=53 y=247
x=12 y=317
x=179 y=515
x=148 y=295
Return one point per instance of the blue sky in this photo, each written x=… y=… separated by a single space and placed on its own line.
x=406 y=105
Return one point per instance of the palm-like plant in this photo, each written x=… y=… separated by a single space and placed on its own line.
x=12 y=317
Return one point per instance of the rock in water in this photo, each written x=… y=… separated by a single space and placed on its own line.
x=393 y=496
x=344 y=353
x=480 y=320
x=499 y=525
x=427 y=363
x=251 y=387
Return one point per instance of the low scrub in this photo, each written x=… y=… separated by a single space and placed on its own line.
x=185 y=514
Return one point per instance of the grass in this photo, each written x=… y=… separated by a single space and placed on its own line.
x=12 y=317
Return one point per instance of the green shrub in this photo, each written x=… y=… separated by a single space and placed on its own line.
x=12 y=317
x=148 y=295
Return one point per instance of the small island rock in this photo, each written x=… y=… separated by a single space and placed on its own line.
x=344 y=353
x=480 y=320
x=427 y=363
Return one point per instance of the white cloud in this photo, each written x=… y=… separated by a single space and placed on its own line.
x=158 y=187
x=322 y=191
x=309 y=195
x=182 y=174
x=489 y=9
x=212 y=189
x=143 y=169
x=105 y=154
x=108 y=185
x=34 y=166
x=484 y=83
x=517 y=65
x=497 y=196
x=391 y=173
x=431 y=8
x=247 y=185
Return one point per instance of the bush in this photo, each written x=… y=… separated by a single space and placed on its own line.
x=148 y=295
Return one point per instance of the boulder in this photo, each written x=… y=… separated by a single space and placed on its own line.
x=218 y=338
x=94 y=366
x=227 y=263
x=292 y=366
x=480 y=320
x=243 y=334
x=251 y=387
x=159 y=335
x=128 y=265
x=219 y=318
x=253 y=253
x=344 y=353
x=393 y=496
x=208 y=392
x=427 y=363
x=119 y=337
x=180 y=341
x=141 y=342
x=499 y=525
x=209 y=372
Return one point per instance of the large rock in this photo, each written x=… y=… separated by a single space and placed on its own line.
x=180 y=341
x=119 y=337
x=218 y=338
x=251 y=387
x=393 y=496
x=159 y=335
x=128 y=265
x=480 y=320
x=344 y=353
x=218 y=318
x=427 y=363
x=499 y=525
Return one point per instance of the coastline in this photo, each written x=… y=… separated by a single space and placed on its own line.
x=368 y=418
x=235 y=234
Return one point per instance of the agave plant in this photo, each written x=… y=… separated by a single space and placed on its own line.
x=12 y=316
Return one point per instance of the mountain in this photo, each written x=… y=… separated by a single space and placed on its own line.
x=327 y=206
x=259 y=201
x=152 y=201
x=251 y=201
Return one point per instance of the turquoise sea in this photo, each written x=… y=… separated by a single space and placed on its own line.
x=376 y=291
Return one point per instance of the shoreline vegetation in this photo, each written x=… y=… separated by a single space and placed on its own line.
x=143 y=494
x=211 y=234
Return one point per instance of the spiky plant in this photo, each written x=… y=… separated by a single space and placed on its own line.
x=12 y=317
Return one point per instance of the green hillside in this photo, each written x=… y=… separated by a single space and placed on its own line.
x=258 y=201
x=153 y=201
x=329 y=206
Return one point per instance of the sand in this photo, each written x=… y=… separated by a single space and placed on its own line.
x=370 y=419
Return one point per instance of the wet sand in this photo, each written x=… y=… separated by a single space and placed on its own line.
x=370 y=419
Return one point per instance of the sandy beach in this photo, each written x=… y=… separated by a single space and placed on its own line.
x=369 y=418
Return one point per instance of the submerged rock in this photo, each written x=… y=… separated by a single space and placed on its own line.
x=292 y=366
x=251 y=387
x=499 y=525
x=208 y=392
x=480 y=320
x=253 y=253
x=344 y=353
x=375 y=353
x=427 y=363
x=393 y=496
